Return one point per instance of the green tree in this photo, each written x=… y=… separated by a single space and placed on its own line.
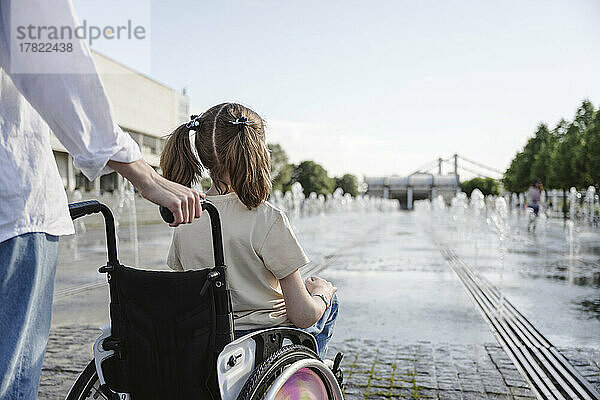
x=283 y=180
x=569 y=155
x=349 y=183
x=541 y=167
x=584 y=121
x=564 y=159
x=555 y=175
x=205 y=183
x=530 y=162
x=560 y=158
x=281 y=169
x=516 y=176
x=592 y=151
x=313 y=178
x=486 y=185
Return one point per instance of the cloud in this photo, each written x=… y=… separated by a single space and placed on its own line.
x=341 y=152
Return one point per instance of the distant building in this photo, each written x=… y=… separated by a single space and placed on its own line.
x=419 y=186
x=143 y=107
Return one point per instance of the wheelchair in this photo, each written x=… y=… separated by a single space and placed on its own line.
x=171 y=336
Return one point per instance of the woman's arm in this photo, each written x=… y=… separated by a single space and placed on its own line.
x=66 y=91
x=304 y=309
x=182 y=201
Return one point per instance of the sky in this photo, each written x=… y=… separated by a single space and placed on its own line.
x=378 y=87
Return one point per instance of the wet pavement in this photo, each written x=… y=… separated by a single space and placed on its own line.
x=406 y=324
x=556 y=289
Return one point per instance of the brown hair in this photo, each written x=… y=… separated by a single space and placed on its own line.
x=226 y=149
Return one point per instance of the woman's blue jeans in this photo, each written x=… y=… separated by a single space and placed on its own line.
x=322 y=330
x=27 y=269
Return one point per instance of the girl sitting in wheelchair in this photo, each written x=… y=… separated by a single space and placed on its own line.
x=261 y=251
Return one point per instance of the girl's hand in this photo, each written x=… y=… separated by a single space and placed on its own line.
x=304 y=310
x=316 y=285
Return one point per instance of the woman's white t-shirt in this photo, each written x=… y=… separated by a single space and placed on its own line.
x=260 y=248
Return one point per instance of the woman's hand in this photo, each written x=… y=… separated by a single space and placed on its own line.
x=182 y=201
x=316 y=285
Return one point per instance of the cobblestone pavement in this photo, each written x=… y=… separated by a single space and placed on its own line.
x=373 y=369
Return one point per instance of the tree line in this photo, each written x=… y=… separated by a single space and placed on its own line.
x=566 y=155
x=486 y=185
x=311 y=175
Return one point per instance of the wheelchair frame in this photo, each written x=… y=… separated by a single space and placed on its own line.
x=236 y=360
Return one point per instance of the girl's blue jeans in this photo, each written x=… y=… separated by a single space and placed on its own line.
x=322 y=330
x=27 y=269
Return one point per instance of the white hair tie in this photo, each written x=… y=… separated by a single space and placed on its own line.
x=243 y=121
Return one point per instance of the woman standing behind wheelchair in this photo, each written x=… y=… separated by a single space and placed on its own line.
x=261 y=251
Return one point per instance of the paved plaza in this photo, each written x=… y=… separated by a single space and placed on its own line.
x=406 y=325
x=374 y=369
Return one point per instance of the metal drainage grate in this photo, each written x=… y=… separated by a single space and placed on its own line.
x=548 y=372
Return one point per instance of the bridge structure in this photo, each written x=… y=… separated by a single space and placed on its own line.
x=429 y=181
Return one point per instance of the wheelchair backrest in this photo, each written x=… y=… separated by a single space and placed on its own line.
x=167 y=327
x=168 y=334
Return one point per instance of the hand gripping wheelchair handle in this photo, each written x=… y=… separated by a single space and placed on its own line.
x=215 y=225
x=83 y=208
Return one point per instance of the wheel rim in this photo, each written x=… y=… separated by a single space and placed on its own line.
x=304 y=384
x=316 y=367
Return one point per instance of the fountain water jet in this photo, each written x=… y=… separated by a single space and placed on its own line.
x=126 y=200
x=590 y=197
x=499 y=219
x=477 y=205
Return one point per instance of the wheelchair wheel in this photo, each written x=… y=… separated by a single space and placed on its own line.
x=304 y=383
x=87 y=386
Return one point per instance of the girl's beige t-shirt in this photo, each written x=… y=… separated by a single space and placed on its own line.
x=260 y=248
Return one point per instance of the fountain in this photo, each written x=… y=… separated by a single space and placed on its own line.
x=521 y=199
x=590 y=195
x=78 y=224
x=297 y=205
x=297 y=199
x=500 y=223
x=477 y=206
x=570 y=236
x=126 y=201
x=572 y=202
x=277 y=199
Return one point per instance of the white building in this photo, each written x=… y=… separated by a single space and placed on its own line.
x=143 y=107
x=418 y=186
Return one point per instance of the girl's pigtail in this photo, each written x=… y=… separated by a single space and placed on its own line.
x=177 y=160
x=249 y=167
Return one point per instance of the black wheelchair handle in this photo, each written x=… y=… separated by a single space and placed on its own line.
x=83 y=208
x=168 y=216
x=215 y=225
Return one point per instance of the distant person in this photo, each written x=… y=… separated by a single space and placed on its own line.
x=532 y=200
x=262 y=253
x=33 y=203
